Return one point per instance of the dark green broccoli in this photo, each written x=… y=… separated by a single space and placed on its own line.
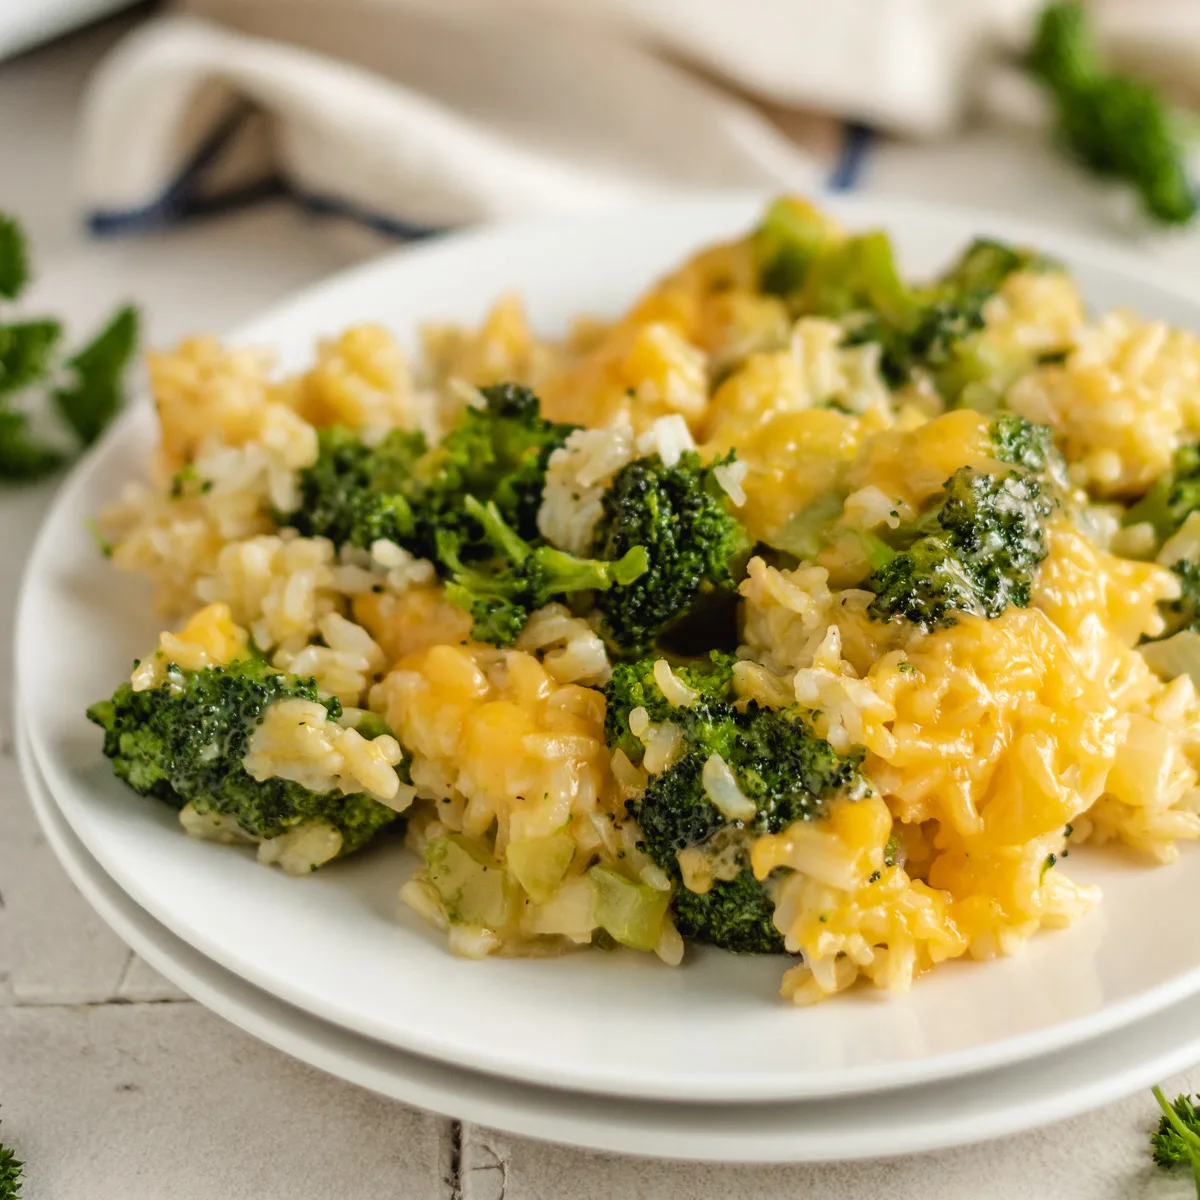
x=780 y=765
x=697 y=553
x=1173 y=498
x=927 y=331
x=407 y=492
x=633 y=686
x=183 y=742
x=355 y=493
x=926 y=584
x=1176 y=1140
x=1116 y=126
x=976 y=551
x=498 y=454
x=736 y=914
x=1025 y=444
x=501 y=592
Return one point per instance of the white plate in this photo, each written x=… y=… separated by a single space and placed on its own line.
x=994 y=1104
x=336 y=944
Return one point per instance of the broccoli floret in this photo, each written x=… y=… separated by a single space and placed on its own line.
x=406 y=492
x=976 y=551
x=497 y=454
x=356 y=494
x=997 y=527
x=1025 y=444
x=183 y=742
x=1116 y=126
x=633 y=686
x=502 y=592
x=1173 y=498
x=926 y=584
x=696 y=548
x=736 y=914
x=856 y=280
x=1176 y=1140
x=926 y=330
x=781 y=766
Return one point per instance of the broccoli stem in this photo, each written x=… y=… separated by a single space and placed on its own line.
x=498 y=532
x=558 y=571
x=501 y=595
x=565 y=573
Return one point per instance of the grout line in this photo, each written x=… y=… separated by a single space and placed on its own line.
x=113 y=1002
x=453 y=1175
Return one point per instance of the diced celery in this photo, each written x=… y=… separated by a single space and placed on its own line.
x=371 y=725
x=807 y=531
x=631 y=912
x=539 y=863
x=473 y=889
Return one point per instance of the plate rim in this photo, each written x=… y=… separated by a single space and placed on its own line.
x=858 y=1080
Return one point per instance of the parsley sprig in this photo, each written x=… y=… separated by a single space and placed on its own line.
x=11 y=1172
x=1176 y=1141
x=83 y=390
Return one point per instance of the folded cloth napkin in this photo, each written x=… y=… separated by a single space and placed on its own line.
x=415 y=115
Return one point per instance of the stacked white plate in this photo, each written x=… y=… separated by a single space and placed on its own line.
x=611 y=1051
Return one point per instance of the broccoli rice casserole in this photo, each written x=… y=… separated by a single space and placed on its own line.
x=802 y=609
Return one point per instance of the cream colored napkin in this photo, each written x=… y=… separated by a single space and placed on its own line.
x=419 y=114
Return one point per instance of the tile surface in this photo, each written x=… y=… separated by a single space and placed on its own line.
x=149 y=1101
x=1101 y=1156
x=113 y=1085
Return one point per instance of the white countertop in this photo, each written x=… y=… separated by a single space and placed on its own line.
x=113 y=1085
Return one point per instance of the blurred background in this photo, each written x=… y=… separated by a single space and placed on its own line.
x=208 y=156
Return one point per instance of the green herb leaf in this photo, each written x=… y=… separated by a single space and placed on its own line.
x=14 y=261
x=95 y=396
x=22 y=458
x=25 y=349
x=10 y=1175
x=1176 y=1141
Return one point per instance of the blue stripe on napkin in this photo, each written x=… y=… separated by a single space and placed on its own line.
x=856 y=143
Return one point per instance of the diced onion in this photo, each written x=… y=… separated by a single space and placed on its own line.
x=731 y=476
